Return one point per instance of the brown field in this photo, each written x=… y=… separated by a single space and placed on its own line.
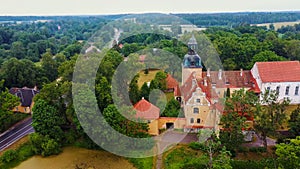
x=73 y=157
x=277 y=25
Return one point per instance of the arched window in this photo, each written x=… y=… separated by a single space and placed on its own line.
x=199 y=121
x=192 y=120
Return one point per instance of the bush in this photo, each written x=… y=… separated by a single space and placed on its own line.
x=258 y=149
x=142 y=163
x=196 y=146
x=9 y=156
x=242 y=149
x=262 y=164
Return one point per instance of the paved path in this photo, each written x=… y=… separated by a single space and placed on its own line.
x=15 y=133
x=259 y=143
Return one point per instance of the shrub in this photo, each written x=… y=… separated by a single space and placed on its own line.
x=196 y=146
x=258 y=149
x=9 y=156
x=242 y=149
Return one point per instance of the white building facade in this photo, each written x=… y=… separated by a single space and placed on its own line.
x=283 y=77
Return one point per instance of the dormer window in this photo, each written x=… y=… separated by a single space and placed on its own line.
x=198 y=100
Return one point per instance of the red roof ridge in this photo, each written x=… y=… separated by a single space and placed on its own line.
x=146 y=110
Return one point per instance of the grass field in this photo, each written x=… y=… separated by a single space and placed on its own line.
x=277 y=25
x=144 y=78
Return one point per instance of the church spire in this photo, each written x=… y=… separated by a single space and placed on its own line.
x=192 y=44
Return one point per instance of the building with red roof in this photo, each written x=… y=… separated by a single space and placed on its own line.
x=283 y=77
x=149 y=113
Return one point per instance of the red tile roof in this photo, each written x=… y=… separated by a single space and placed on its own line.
x=171 y=82
x=142 y=58
x=146 y=110
x=231 y=79
x=285 y=71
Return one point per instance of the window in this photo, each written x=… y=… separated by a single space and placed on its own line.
x=287 y=90
x=199 y=121
x=268 y=88
x=192 y=120
x=198 y=100
x=277 y=89
x=196 y=110
x=297 y=90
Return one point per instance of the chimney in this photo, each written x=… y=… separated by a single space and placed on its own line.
x=241 y=72
x=220 y=74
x=208 y=72
x=205 y=82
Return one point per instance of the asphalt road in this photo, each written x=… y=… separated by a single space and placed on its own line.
x=15 y=133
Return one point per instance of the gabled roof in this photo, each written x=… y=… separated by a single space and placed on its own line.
x=171 y=82
x=285 y=71
x=233 y=79
x=146 y=110
x=25 y=94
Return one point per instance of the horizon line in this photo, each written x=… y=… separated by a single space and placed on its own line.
x=146 y=12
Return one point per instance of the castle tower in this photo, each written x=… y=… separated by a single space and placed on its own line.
x=191 y=62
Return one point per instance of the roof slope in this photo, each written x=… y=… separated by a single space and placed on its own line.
x=146 y=110
x=285 y=71
x=25 y=94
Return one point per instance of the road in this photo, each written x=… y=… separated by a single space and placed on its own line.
x=15 y=133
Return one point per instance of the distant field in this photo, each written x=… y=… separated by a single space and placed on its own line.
x=146 y=77
x=277 y=25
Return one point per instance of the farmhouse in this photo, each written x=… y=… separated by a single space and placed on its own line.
x=26 y=98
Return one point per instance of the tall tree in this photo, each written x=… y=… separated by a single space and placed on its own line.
x=134 y=92
x=294 y=122
x=49 y=65
x=237 y=108
x=289 y=154
x=47 y=121
x=269 y=115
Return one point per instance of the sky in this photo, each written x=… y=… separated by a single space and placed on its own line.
x=79 y=7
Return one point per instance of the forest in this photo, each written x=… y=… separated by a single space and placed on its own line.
x=43 y=54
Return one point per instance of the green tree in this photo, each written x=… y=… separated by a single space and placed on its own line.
x=265 y=56
x=49 y=65
x=270 y=115
x=294 y=122
x=289 y=154
x=172 y=109
x=145 y=91
x=103 y=93
x=237 y=107
x=47 y=121
x=17 y=50
x=134 y=92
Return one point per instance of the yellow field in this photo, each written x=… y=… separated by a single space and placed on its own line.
x=146 y=77
x=277 y=25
